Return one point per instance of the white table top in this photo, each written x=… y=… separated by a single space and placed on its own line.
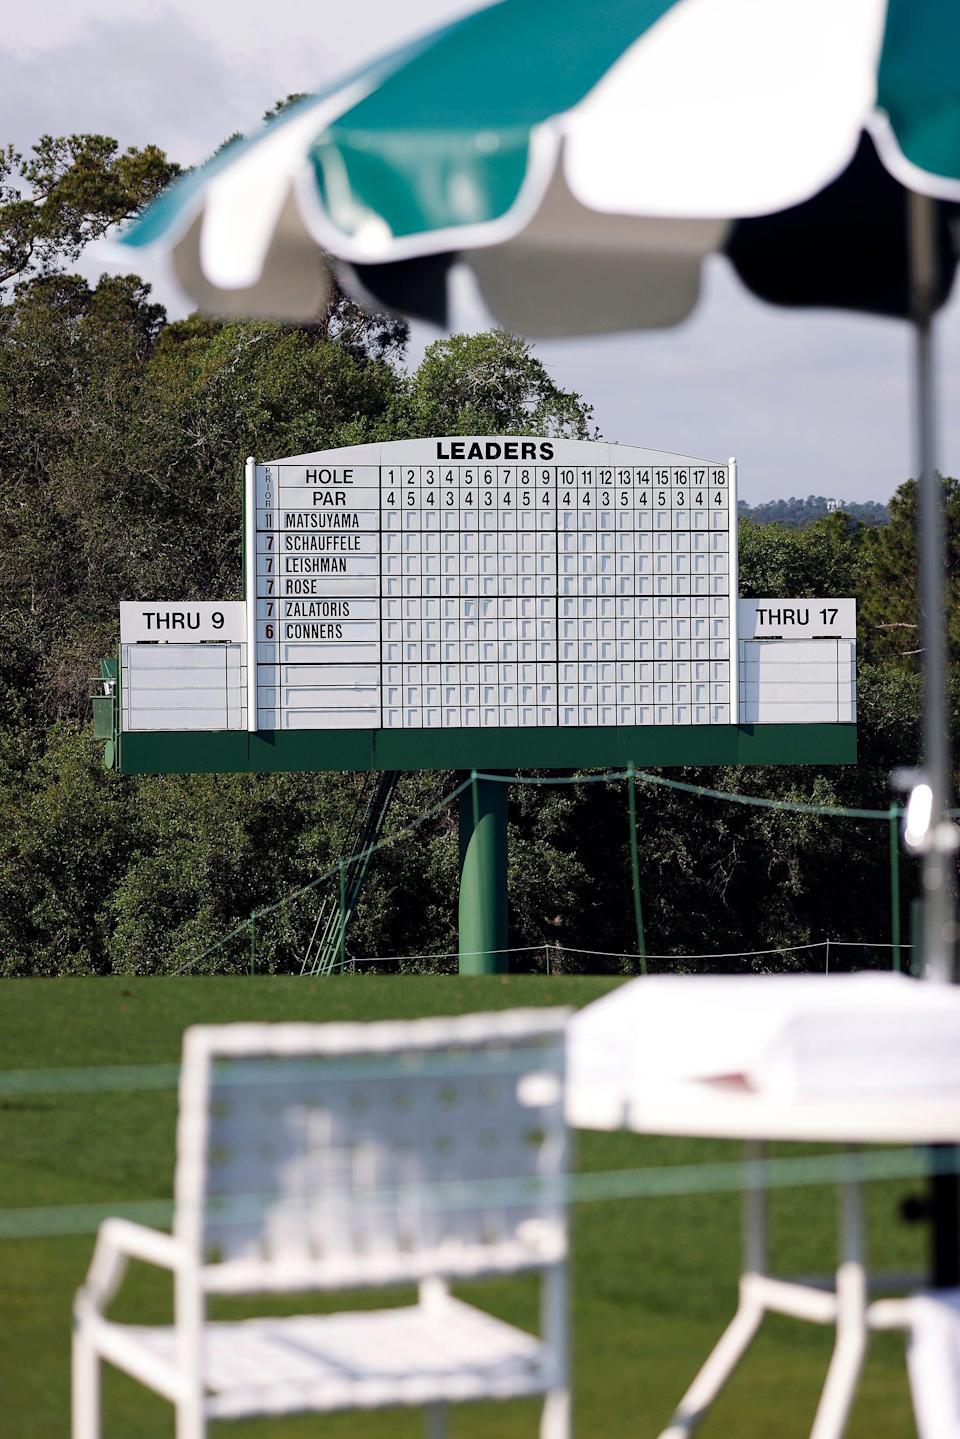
x=846 y=1059
x=710 y=1110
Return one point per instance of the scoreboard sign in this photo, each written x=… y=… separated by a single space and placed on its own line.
x=489 y=602
x=797 y=662
x=457 y=584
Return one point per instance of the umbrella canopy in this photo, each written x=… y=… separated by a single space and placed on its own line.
x=583 y=161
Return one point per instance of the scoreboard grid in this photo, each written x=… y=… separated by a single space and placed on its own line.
x=451 y=595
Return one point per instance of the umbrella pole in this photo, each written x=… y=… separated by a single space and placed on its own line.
x=937 y=879
x=938 y=926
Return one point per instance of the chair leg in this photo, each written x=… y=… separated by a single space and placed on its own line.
x=715 y=1371
x=555 y=1418
x=435 y=1416
x=852 y=1325
x=191 y=1421
x=85 y=1386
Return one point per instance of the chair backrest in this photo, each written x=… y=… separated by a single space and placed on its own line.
x=333 y=1155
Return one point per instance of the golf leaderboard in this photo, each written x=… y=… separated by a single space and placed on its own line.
x=458 y=602
x=446 y=583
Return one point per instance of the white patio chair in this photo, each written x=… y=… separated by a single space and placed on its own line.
x=326 y=1157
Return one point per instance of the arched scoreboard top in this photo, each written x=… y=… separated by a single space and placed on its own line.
x=497 y=449
x=484 y=601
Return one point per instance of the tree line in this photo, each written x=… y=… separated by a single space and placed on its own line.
x=800 y=512
x=122 y=440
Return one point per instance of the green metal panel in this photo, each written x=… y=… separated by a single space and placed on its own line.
x=305 y=750
x=413 y=146
x=494 y=749
x=796 y=744
x=186 y=752
x=106 y=710
x=483 y=878
x=104 y=713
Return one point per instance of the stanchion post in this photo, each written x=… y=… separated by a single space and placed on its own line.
x=895 y=886
x=253 y=943
x=483 y=877
x=916 y=938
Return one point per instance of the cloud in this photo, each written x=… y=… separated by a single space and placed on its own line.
x=815 y=402
x=182 y=75
x=809 y=402
x=150 y=79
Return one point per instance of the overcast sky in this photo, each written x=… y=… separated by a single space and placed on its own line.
x=809 y=402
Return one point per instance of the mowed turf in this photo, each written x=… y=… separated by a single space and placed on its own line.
x=654 y=1280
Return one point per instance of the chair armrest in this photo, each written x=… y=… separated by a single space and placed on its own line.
x=118 y=1241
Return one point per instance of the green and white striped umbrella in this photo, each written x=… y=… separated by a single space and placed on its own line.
x=584 y=158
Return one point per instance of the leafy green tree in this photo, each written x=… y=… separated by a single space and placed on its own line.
x=779 y=560
x=280 y=105
x=888 y=593
x=361 y=333
x=122 y=443
x=67 y=192
x=800 y=512
x=72 y=368
x=67 y=831
x=122 y=440
x=491 y=384
x=212 y=850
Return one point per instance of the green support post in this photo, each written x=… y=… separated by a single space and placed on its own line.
x=342 y=947
x=895 y=885
x=253 y=943
x=483 y=877
x=635 y=867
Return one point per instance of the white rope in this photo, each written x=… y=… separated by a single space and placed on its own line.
x=555 y=947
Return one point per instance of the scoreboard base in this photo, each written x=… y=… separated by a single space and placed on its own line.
x=292 y=751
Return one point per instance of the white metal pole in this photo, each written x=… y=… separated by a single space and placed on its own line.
x=555 y=1417
x=85 y=1383
x=734 y=561
x=250 y=587
x=939 y=866
x=851 y=1342
x=754 y=1218
x=739 y=1333
x=937 y=878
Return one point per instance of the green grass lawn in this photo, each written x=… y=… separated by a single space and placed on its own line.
x=654 y=1280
